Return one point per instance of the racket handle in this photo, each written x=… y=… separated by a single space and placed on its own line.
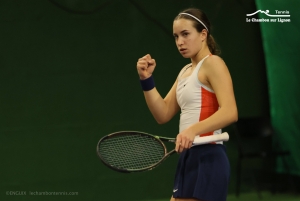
x=211 y=138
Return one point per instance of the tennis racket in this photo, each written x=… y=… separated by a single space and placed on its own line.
x=134 y=151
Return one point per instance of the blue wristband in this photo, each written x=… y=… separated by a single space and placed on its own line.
x=148 y=83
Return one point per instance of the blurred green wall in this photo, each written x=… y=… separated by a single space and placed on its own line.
x=68 y=77
x=283 y=78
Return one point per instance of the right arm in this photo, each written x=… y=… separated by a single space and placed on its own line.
x=162 y=109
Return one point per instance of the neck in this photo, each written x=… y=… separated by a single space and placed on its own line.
x=200 y=55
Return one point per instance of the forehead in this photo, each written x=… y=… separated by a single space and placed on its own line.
x=182 y=24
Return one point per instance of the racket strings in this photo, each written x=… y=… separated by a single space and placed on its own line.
x=131 y=151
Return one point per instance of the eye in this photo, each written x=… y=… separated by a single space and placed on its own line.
x=185 y=34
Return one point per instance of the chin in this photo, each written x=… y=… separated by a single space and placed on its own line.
x=186 y=56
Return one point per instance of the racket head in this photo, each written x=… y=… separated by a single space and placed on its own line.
x=131 y=151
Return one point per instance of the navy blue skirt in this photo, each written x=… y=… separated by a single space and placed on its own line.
x=202 y=173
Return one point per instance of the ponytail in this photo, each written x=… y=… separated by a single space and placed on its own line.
x=213 y=46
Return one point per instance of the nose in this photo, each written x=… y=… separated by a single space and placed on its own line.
x=179 y=41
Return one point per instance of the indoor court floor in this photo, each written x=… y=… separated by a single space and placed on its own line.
x=266 y=196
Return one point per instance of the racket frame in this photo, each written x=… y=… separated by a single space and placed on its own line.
x=158 y=139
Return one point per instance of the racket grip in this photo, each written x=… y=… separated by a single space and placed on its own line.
x=211 y=138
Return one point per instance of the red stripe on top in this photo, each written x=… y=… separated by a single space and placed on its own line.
x=209 y=106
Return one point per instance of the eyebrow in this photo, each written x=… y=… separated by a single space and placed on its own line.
x=180 y=32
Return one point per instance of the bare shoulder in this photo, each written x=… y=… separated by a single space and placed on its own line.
x=186 y=66
x=184 y=69
x=214 y=61
x=214 y=64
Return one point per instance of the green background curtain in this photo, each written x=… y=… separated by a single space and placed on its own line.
x=281 y=47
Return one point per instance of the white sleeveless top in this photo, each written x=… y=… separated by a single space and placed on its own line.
x=197 y=101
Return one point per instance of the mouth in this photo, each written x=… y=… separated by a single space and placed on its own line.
x=182 y=50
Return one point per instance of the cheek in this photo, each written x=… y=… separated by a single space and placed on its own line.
x=196 y=43
x=191 y=43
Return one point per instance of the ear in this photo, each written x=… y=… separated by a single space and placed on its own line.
x=204 y=34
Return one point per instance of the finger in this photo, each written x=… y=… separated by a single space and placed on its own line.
x=190 y=144
x=141 y=67
x=145 y=57
x=142 y=63
x=180 y=149
x=152 y=61
x=178 y=141
x=177 y=146
x=142 y=60
x=186 y=144
x=181 y=146
x=183 y=141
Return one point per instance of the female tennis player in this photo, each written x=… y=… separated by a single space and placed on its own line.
x=203 y=92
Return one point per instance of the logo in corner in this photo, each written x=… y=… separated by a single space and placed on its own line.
x=279 y=16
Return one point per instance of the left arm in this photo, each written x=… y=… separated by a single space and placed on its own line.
x=218 y=76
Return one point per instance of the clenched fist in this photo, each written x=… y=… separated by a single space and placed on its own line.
x=145 y=66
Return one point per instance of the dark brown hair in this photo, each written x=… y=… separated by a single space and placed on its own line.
x=211 y=43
